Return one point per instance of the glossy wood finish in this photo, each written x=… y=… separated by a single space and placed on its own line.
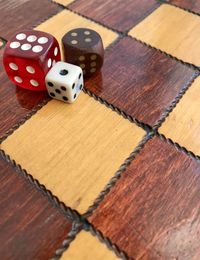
x=152 y=212
x=31 y=228
x=139 y=80
x=154 y=209
x=119 y=14
x=66 y=20
x=185 y=119
x=15 y=103
x=192 y=5
x=181 y=41
x=88 y=247
x=74 y=150
x=17 y=15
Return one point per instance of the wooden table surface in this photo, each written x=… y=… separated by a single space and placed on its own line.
x=117 y=173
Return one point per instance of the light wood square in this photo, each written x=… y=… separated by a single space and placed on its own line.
x=66 y=20
x=74 y=150
x=183 y=124
x=63 y=2
x=87 y=247
x=172 y=30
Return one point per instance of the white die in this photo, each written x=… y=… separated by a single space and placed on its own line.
x=64 y=81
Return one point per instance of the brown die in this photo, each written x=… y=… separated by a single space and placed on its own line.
x=84 y=47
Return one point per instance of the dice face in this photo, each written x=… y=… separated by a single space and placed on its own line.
x=28 y=56
x=83 y=47
x=64 y=82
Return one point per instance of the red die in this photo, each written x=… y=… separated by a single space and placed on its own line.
x=28 y=57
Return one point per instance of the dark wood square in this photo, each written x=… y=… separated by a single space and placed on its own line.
x=20 y=15
x=192 y=5
x=30 y=226
x=139 y=80
x=15 y=102
x=154 y=209
x=119 y=14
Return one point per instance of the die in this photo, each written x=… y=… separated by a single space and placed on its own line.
x=28 y=56
x=64 y=82
x=84 y=47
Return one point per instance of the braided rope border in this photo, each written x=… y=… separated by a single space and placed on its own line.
x=117 y=175
x=64 y=6
x=120 y=36
x=76 y=228
x=117 y=110
x=48 y=17
x=168 y=110
x=176 y=100
x=24 y=119
x=109 y=105
x=175 y=5
x=71 y=214
x=84 y=225
x=123 y=34
x=45 y=100
x=178 y=146
x=92 y=20
x=112 y=182
x=105 y=240
x=190 y=65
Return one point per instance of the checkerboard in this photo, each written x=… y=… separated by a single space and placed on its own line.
x=116 y=174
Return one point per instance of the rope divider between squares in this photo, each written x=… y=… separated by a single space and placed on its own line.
x=175 y=5
x=80 y=222
x=176 y=100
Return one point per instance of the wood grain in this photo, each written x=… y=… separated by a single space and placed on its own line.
x=185 y=120
x=75 y=149
x=18 y=15
x=119 y=14
x=154 y=209
x=192 y=5
x=31 y=228
x=142 y=91
x=65 y=21
x=87 y=247
x=15 y=103
x=181 y=41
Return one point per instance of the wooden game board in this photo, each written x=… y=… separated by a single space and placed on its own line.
x=116 y=174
